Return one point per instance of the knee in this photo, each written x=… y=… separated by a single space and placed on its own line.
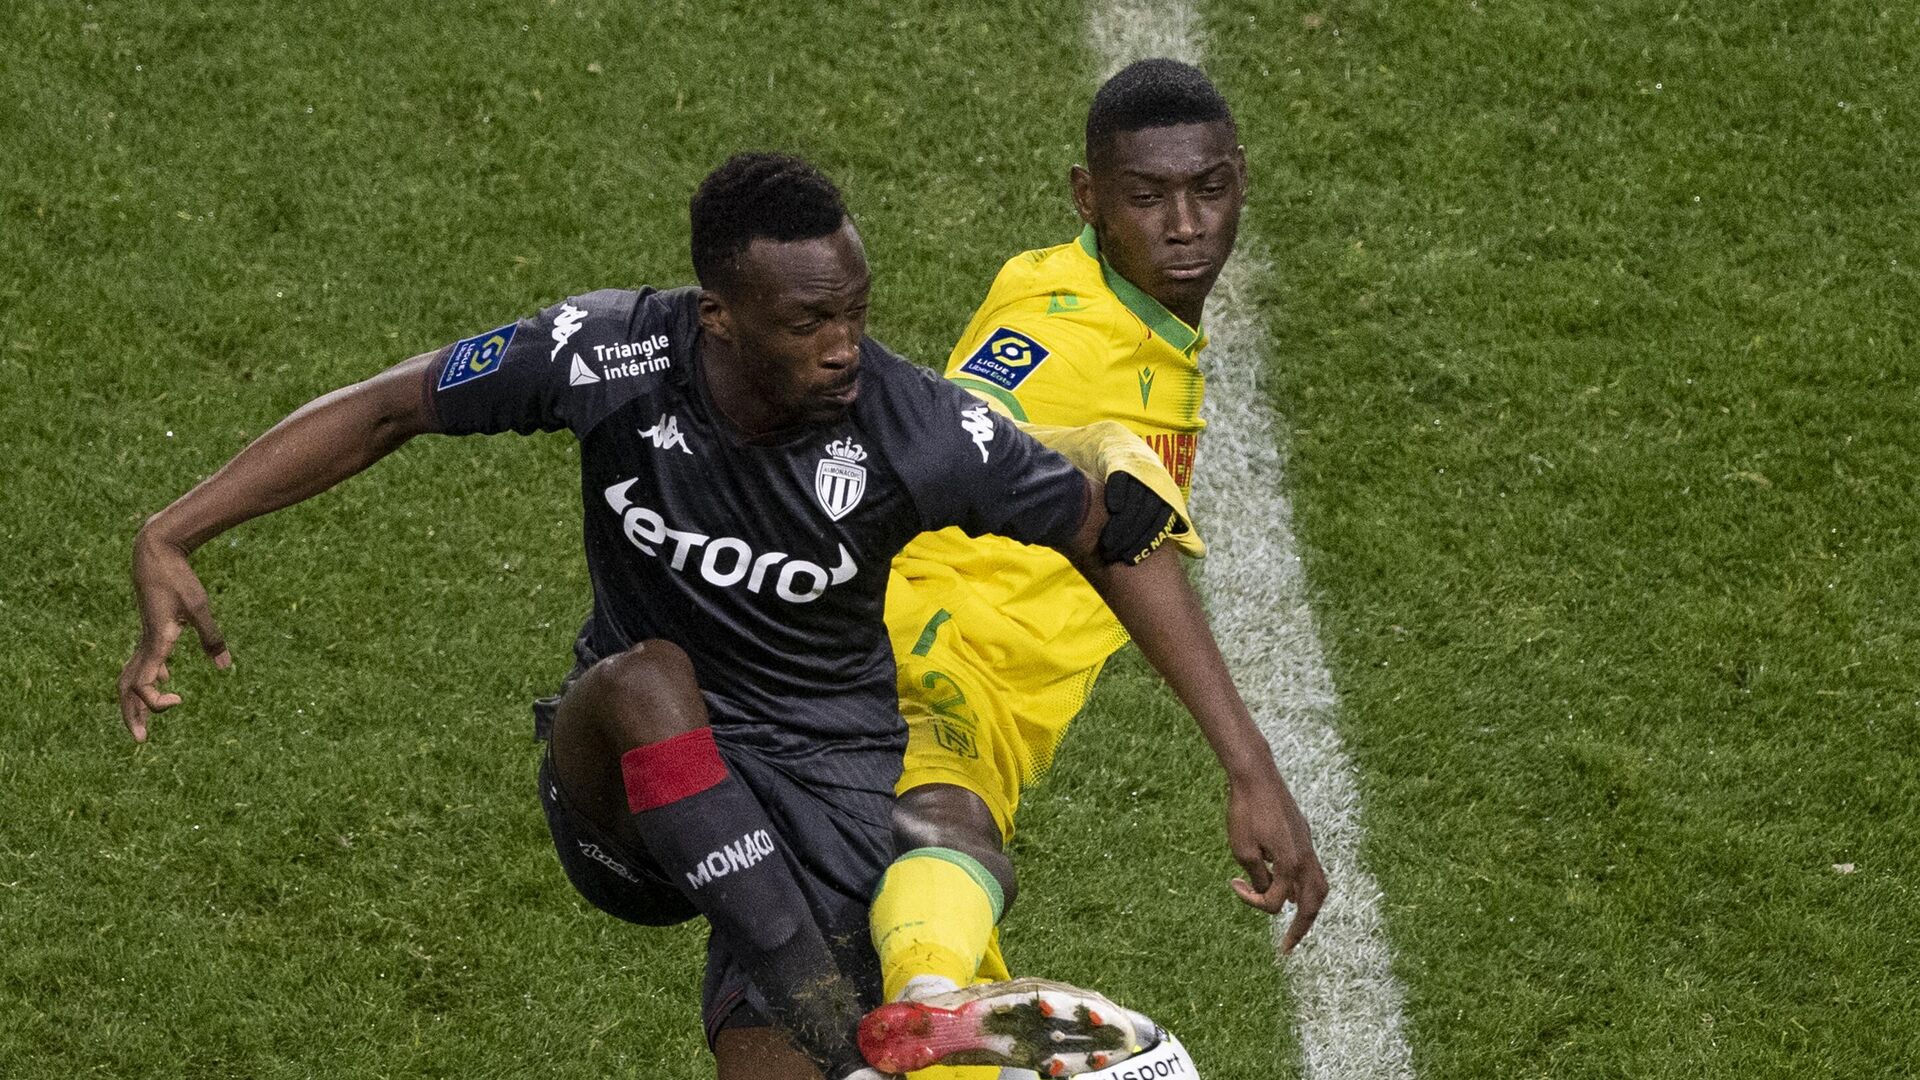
x=651 y=667
x=646 y=694
x=950 y=816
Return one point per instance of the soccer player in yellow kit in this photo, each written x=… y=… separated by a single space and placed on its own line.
x=997 y=643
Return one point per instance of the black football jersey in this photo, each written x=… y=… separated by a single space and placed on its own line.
x=766 y=559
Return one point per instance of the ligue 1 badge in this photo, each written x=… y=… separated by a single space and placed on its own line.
x=839 y=480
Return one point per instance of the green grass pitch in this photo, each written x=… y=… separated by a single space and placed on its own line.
x=1595 y=332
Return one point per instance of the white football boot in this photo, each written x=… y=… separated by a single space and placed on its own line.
x=1049 y=1027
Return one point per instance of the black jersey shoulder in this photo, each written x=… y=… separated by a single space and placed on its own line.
x=563 y=367
x=960 y=462
x=897 y=396
x=629 y=345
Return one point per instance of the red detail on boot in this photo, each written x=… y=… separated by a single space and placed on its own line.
x=907 y=1036
x=664 y=772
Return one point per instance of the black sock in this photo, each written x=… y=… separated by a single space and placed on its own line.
x=715 y=841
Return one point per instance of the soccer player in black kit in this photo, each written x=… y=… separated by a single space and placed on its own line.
x=750 y=463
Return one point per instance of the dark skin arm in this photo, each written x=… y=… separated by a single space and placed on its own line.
x=1266 y=832
x=317 y=446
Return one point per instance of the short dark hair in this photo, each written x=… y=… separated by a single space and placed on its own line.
x=756 y=195
x=1150 y=94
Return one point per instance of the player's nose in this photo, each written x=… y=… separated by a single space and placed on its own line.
x=843 y=350
x=1184 y=224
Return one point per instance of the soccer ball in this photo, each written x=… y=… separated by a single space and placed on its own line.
x=1168 y=1060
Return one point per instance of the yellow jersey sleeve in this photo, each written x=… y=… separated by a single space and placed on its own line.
x=1054 y=344
x=1038 y=334
x=1103 y=449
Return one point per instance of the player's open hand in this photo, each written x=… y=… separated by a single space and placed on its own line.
x=1270 y=840
x=171 y=598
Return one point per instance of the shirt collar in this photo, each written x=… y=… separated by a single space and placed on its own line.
x=1150 y=311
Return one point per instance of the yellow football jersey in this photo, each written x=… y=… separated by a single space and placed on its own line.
x=1061 y=340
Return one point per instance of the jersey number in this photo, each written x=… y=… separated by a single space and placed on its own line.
x=953 y=721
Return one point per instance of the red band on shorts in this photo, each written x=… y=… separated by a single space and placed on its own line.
x=665 y=772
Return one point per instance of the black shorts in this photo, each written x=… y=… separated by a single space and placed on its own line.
x=838 y=848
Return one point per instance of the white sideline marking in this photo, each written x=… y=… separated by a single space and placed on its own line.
x=1350 y=1018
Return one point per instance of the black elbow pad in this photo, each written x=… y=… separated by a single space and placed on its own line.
x=1138 y=521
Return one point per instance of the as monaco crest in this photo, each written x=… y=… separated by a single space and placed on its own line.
x=839 y=480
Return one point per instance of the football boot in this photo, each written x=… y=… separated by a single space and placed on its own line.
x=1049 y=1027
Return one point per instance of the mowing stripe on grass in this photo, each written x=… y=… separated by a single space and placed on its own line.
x=1348 y=1004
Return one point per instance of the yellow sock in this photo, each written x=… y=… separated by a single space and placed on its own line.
x=934 y=915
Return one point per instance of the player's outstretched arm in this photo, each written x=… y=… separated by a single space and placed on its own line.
x=320 y=444
x=1152 y=598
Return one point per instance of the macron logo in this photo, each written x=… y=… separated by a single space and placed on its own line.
x=739 y=855
x=665 y=434
x=979 y=425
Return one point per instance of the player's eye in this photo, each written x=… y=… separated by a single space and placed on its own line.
x=1144 y=198
x=805 y=327
x=1213 y=188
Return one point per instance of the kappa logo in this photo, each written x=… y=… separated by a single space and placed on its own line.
x=665 y=434
x=564 y=324
x=739 y=855
x=726 y=561
x=978 y=424
x=839 y=479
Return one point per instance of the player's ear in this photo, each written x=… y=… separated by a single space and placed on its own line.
x=1240 y=171
x=1081 y=181
x=715 y=317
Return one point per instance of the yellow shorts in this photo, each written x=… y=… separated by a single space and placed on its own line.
x=971 y=725
x=960 y=731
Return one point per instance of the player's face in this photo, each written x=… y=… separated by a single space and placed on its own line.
x=794 y=314
x=1165 y=203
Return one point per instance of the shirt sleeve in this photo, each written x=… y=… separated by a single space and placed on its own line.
x=1036 y=368
x=972 y=467
x=515 y=378
x=1107 y=449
